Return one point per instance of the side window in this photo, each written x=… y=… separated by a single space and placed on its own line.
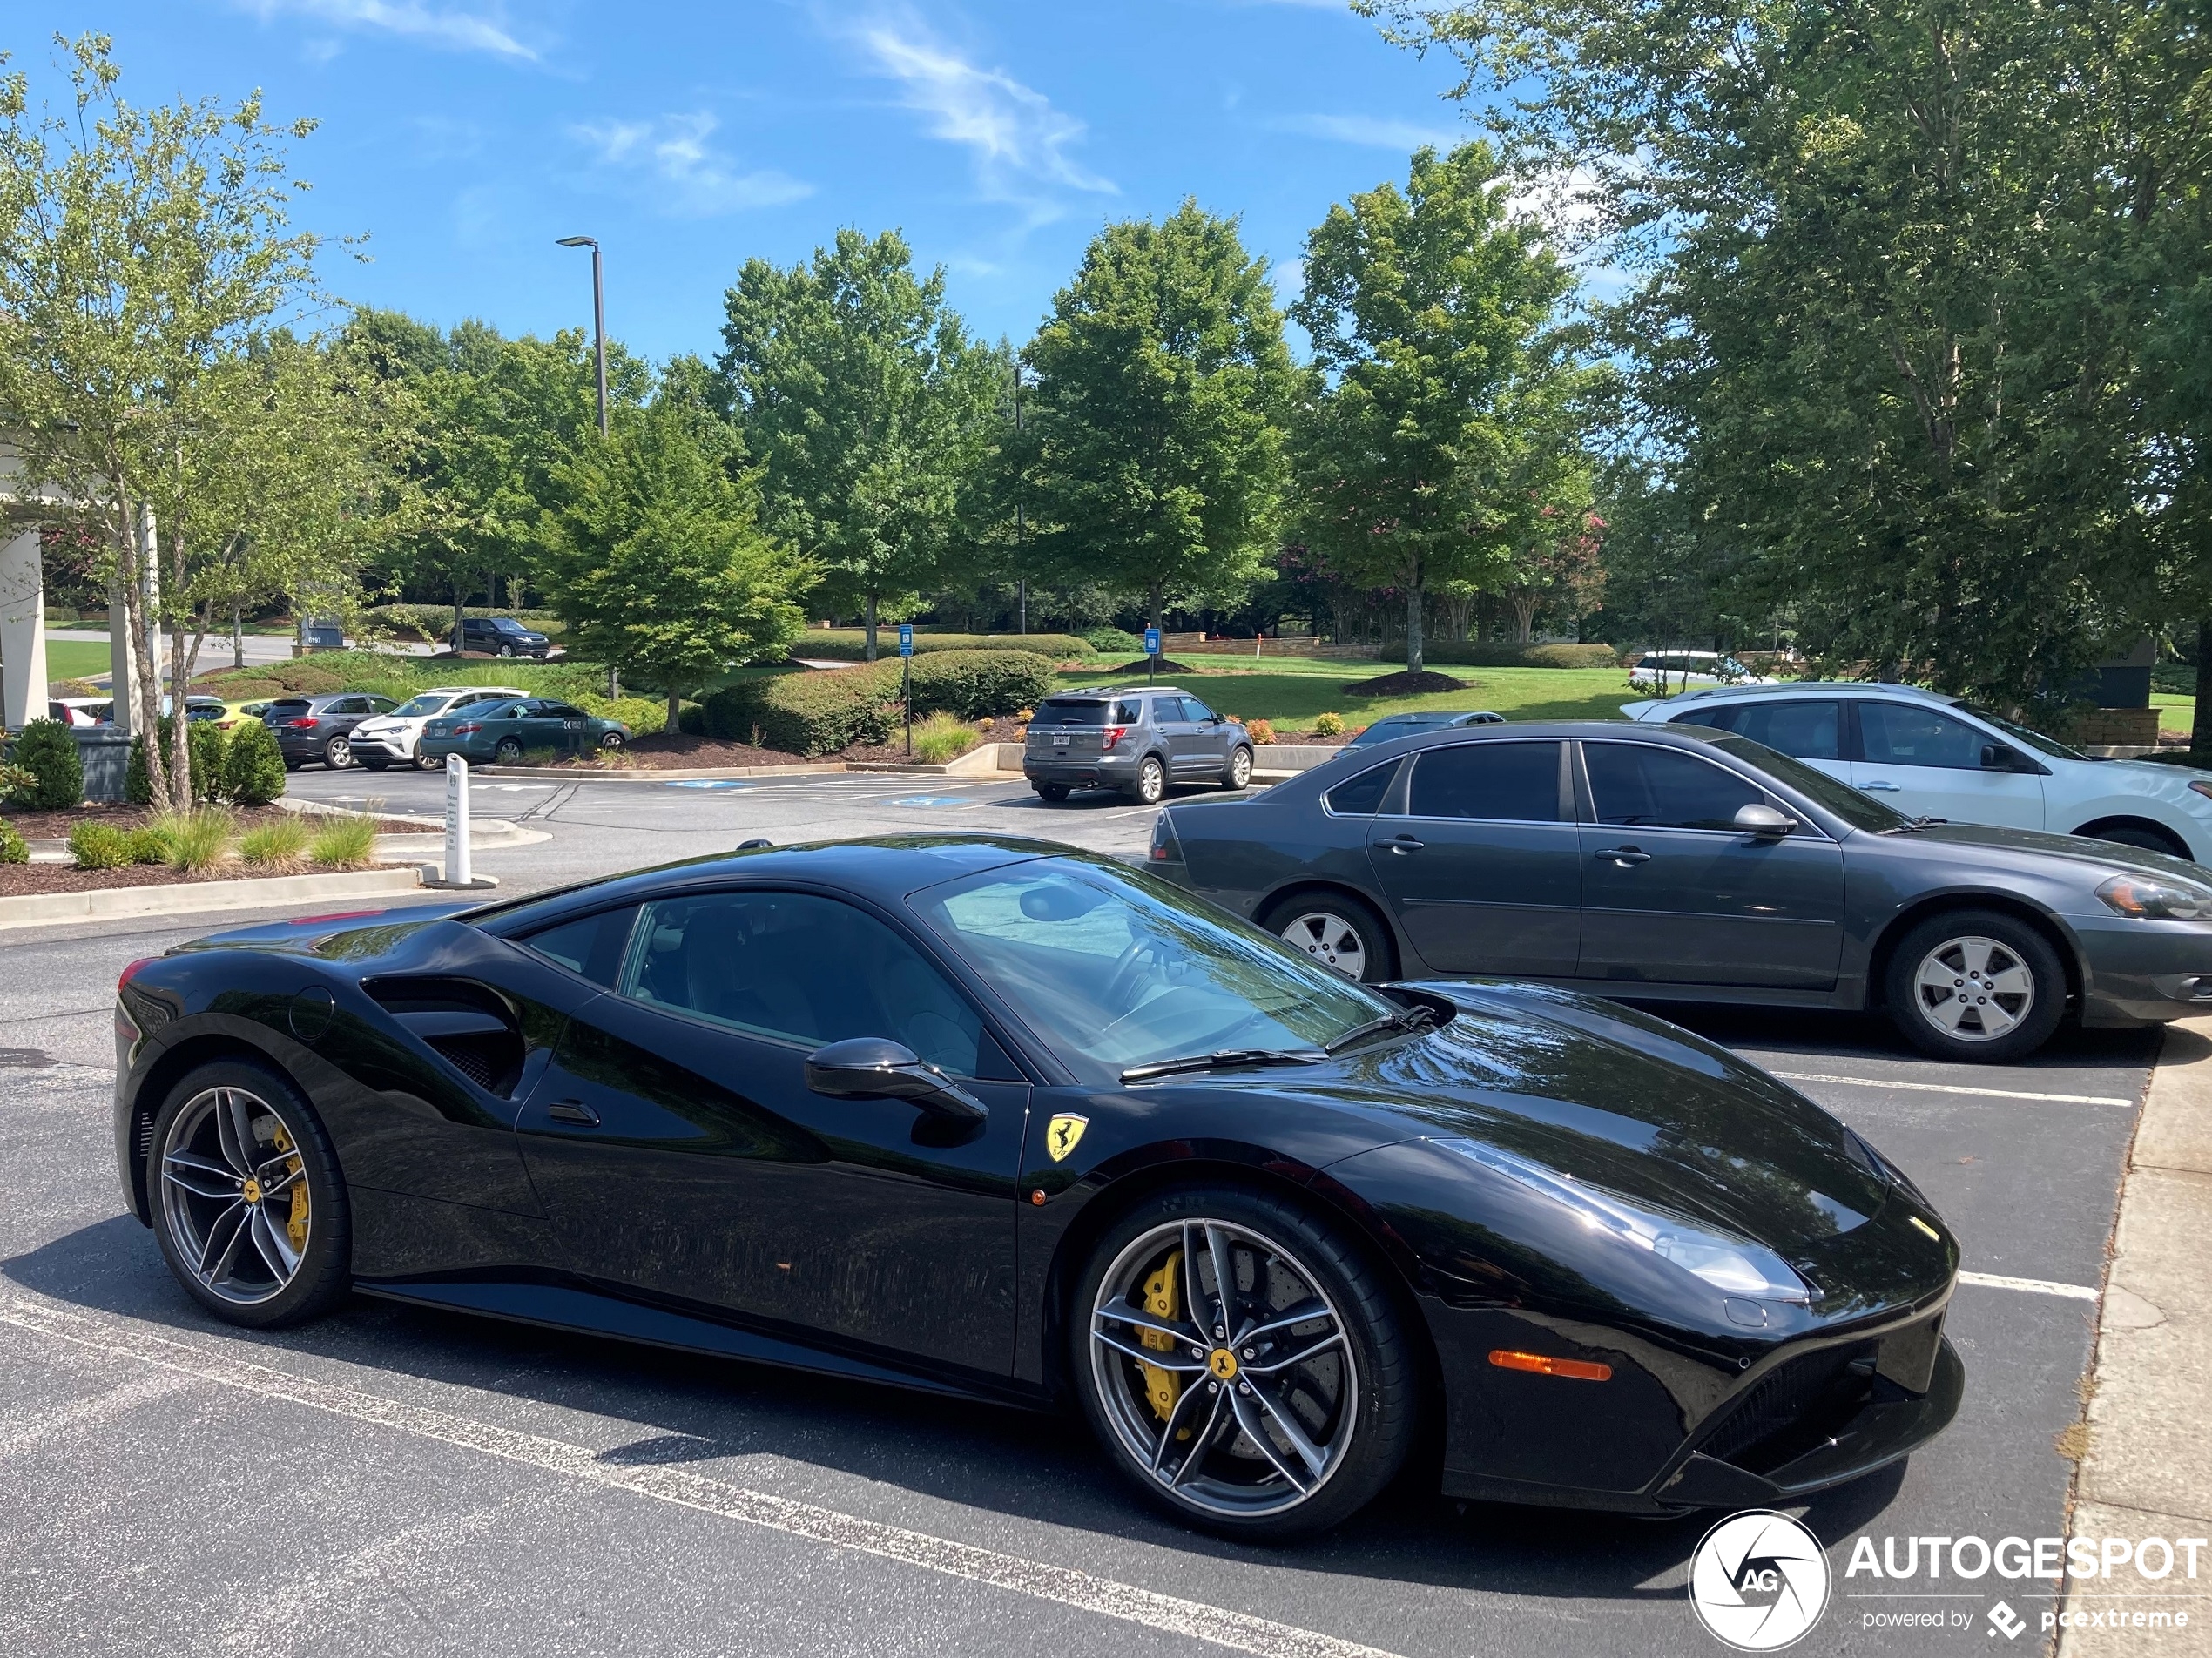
x=804 y=969
x=1901 y=734
x=1808 y=729
x=1193 y=709
x=592 y=946
x=1515 y=782
x=382 y=705
x=350 y=706
x=1662 y=788
x=1362 y=796
x=1127 y=714
x=560 y=711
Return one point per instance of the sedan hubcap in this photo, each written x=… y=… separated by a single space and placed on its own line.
x=1329 y=940
x=1974 y=989
x=234 y=1195
x=1223 y=1368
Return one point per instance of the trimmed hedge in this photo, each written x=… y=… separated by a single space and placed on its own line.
x=1468 y=653
x=253 y=765
x=13 y=848
x=47 y=751
x=819 y=714
x=851 y=644
x=204 y=746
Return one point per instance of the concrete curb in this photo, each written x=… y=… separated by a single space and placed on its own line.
x=642 y=774
x=2148 y=1469
x=195 y=898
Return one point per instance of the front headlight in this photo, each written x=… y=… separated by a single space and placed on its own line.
x=2148 y=899
x=1733 y=1265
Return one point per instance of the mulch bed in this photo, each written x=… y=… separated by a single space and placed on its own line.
x=23 y=881
x=1002 y=731
x=55 y=826
x=1404 y=685
x=1166 y=666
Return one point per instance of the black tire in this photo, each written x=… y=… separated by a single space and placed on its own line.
x=324 y=1272
x=424 y=762
x=2008 y=992
x=1324 y=920
x=2143 y=835
x=1151 y=783
x=338 y=754
x=509 y=752
x=1053 y=792
x=611 y=739
x=506 y=650
x=1238 y=774
x=1367 y=1423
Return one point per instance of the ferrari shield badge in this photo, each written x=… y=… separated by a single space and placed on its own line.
x=1062 y=1133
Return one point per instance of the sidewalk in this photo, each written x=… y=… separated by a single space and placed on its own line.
x=2147 y=1471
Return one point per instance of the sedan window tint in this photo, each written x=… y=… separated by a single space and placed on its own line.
x=1805 y=729
x=1362 y=797
x=592 y=946
x=807 y=969
x=1663 y=788
x=1512 y=782
x=1902 y=734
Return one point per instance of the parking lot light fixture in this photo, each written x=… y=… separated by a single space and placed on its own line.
x=599 y=320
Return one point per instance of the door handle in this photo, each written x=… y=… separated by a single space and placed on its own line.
x=573 y=1111
x=1880 y=788
x=1626 y=857
x=1402 y=844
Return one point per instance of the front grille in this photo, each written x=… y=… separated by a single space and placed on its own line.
x=1794 y=1407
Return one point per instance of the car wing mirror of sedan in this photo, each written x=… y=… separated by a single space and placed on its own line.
x=1995 y=757
x=1758 y=818
x=875 y=1068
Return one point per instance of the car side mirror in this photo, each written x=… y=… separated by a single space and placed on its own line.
x=1995 y=757
x=875 y=1068
x=1758 y=818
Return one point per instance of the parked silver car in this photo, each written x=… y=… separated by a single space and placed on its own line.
x=1137 y=740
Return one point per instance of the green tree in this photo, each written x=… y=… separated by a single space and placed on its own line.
x=1152 y=454
x=868 y=409
x=660 y=565
x=1429 y=438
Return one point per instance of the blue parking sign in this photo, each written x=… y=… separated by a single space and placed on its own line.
x=1151 y=642
x=905 y=639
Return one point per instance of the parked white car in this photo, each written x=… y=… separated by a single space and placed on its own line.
x=1661 y=671
x=393 y=738
x=1934 y=756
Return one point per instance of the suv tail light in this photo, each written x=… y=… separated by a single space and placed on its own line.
x=307 y=724
x=1111 y=735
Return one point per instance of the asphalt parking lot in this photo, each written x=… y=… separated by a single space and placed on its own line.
x=391 y=1480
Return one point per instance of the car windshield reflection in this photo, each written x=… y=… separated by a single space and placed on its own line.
x=1117 y=972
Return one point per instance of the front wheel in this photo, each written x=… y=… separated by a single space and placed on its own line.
x=506 y=650
x=1238 y=772
x=611 y=740
x=1241 y=1365
x=1151 y=782
x=1338 y=932
x=247 y=1201
x=1976 y=986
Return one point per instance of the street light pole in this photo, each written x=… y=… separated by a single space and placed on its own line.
x=1020 y=564
x=599 y=320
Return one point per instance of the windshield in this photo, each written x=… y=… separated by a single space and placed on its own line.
x=2033 y=739
x=1116 y=970
x=421 y=707
x=1860 y=810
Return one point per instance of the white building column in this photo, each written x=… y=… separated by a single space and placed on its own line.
x=122 y=667
x=22 y=631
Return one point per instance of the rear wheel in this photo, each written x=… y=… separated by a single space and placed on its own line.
x=1241 y=1365
x=1338 y=930
x=1238 y=772
x=1151 y=781
x=1053 y=792
x=509 y=751
x=1976 y=985
x=247 y=1201
x=424 y=762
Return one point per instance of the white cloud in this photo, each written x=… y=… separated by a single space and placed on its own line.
x=1375 y=131
x=1020 y=143
x=441 y=25
x=699 y=181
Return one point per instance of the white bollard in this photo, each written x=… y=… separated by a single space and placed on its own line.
x=457 y=873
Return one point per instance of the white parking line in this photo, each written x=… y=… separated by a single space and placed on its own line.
x=1239 y=1631
x=1948 y=1088
x=2032 y=1286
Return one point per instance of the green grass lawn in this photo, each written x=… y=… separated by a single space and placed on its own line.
x=2174 y=713
x=75 y=659
x=1288 y=692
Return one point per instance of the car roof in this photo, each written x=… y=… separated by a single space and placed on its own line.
x=1821 y=687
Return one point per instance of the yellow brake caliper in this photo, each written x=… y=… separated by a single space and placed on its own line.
x=1163 y=1300
x=295 y=1227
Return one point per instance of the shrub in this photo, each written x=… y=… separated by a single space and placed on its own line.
x=66 y=688
x=193 y=840
x=644 y=715
x=1328 y=724
x=343 y=843
x=1498 y=653
x=542 y=756
x=690 y=719
x=204 y=744
x=253 y=765
x=819 y=714
x=146 y=846
x=941 y=738
x=1113 y=641
x=99 y=846
x=279 y=843
x=850 y=645
x=138 y=787
x=49 y=753
x=1260 y=732
x=13 y=849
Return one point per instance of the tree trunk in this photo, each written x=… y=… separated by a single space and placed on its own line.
x=238 y=637
x=1155 y=605
x=1413 y=626
x=182 y=658
x=460 y=602
x=867 y=621
x=675 y=709
x=1524 y=616
x=2201 y=727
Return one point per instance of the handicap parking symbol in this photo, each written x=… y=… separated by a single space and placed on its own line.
x=710 y=783
x=933 y=800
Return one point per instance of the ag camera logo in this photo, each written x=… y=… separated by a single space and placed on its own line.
x=1758 y=1581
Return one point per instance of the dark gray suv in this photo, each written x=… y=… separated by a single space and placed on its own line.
x=1138 y=741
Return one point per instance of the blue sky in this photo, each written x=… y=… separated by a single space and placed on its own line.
x=463 y=136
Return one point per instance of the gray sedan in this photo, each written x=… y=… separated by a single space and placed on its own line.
x=1675 y=863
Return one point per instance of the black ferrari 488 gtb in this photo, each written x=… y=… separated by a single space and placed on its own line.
x=999 y=1119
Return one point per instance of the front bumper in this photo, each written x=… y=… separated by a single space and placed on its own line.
x=398 y=744
x=2139 y=972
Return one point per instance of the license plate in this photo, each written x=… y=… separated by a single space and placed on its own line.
x=1060 y=742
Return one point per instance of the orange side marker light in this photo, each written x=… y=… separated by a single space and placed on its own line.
x=1543 y=1365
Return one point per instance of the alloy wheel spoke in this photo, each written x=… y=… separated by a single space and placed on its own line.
x=1180 y=1418
x=1303 y=1313
x=2014 y=980
x=1935 y=975
x=1249 y=1418
x=233 y=1132
x=199 y=1176
x=282 y=1183
x=1200 y=1442
x=1974 y=952
x=1126 y=1312
x=221 y=1243
x=276 y=1250
x=1178 y=1358
x=1333 y=1338
x=1278 y=1410
x=1194 y=1299
x=1996 y=1019
x=1949 y=1012
x=1224 y=1280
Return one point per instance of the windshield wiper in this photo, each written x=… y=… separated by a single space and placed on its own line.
x=1414 y=1018
x=1912 y=825
x=1222 y=1057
